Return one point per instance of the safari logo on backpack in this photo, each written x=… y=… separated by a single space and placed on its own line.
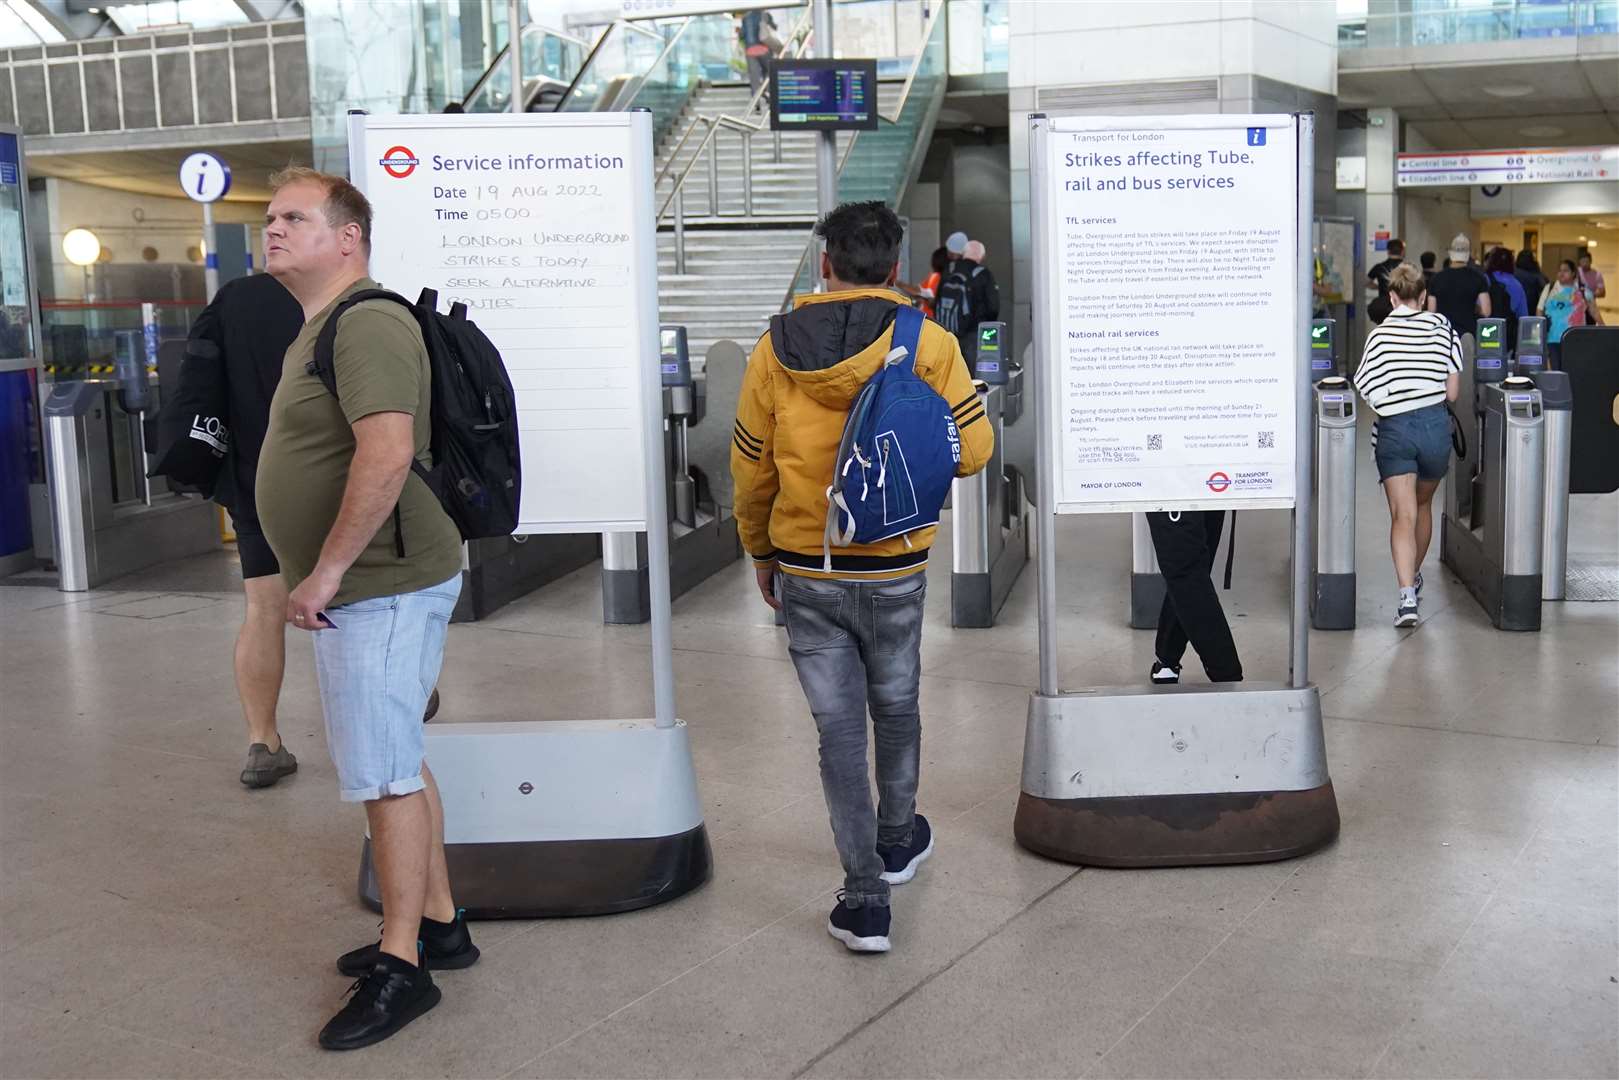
x=898 y=454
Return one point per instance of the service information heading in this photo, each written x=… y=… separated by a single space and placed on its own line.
x=1173 y=277
x=529 y=222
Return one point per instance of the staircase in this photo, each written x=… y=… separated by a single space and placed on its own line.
x=734 y=281
x=739 y=266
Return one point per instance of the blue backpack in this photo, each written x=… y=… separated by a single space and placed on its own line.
x=899 y=451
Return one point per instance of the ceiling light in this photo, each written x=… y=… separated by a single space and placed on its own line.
x=1509 y=90
x=1542 y=131
x=82 y=247
x=1590 y=243
x=1582 y=239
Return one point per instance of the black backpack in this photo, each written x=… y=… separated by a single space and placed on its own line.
x=477 y=468
x=953 y=309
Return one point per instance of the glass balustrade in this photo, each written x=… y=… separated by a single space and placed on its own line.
x=1465 y=22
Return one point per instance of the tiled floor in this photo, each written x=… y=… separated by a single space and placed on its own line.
x=158 y=920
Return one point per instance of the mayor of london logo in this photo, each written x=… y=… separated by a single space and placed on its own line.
x=399 y=162
x=1218 y=482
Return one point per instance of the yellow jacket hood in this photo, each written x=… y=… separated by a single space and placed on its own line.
x=801 y=380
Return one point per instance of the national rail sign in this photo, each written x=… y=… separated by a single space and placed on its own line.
x=1551 y=165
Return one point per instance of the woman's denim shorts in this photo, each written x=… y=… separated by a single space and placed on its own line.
x=1414 y=442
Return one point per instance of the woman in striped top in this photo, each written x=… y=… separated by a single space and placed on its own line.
x=1410 y=369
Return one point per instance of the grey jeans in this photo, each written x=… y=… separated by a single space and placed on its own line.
x=858 y=645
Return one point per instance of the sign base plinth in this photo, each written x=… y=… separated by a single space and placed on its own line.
x=556 y=878
x=566 y=817
x=1176 y=776
x=1179 y=830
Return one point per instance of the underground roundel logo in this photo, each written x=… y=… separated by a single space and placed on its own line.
x=399 y=162
x=1218 y=482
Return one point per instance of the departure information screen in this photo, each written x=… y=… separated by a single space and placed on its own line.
x=823 y=95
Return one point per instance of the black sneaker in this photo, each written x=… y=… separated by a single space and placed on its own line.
x=900 y=862
x=1418 y=583
x=385 y=999
x=441 y=951
x=1406 y=614
x=1165 y=674
x=861 y=929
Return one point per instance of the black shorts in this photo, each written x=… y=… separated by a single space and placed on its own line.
x=257 y=558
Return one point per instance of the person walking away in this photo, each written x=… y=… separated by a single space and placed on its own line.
x=925 y=292
x=1562 y=302
x=373 y=564
x=1527 y=270
x=759 y=45
x=1591 y=280
x=1410 y=368
x=854 y=617
x=1461 y=292
x=1378 y=275
x=1185 y=542
x=1428 y=259
x=245 y=330
x=968 y=296
x=1506 y=287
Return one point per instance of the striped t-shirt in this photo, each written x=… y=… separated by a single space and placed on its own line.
x=1408 y=357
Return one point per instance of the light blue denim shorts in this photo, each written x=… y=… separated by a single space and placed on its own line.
x=376 y=666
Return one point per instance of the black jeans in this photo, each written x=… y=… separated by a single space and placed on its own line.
x=1186 y=544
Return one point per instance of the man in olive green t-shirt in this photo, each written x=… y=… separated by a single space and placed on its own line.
x=376 y=589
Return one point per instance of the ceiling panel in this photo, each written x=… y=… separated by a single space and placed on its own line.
x=156 y=172
x=1453 y=104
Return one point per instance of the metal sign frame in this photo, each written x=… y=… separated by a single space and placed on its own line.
x=643 y=230
x=34 y=356
x=1043 y=230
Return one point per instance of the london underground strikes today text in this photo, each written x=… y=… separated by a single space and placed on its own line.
x=538 y=248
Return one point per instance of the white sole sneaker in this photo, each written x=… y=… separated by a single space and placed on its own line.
x=858 y=944
x=1407 y=619
x=900 y=877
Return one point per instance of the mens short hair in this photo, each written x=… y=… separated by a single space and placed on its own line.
x=1396 y=248
x=1406 y=282
x=1428 y=260
x=862 y=240
x=345 y=204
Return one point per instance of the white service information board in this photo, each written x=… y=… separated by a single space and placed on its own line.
x=1173 y=294
x=542 y=225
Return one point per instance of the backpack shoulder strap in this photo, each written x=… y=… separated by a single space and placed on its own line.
x=907 y=334
x=324 y=369
x=323 y=366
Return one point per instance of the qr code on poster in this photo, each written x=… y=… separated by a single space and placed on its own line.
x=1155 y=442
x=1267 y=440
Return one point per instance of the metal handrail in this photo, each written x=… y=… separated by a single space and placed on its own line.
x=501 y=61
x=601 y=43
x=854 y=136
x=747 y=127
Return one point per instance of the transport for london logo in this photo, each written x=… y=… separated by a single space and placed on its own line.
x=399 y=162
x=1218 y=482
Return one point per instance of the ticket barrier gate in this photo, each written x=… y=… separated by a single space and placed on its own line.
x=702 y=538
x=988 y=521
x=1332 y=592
x=1491 y=533
x=108 y=518
x=1557 y=401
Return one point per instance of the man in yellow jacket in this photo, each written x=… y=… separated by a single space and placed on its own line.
x=854 y=632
